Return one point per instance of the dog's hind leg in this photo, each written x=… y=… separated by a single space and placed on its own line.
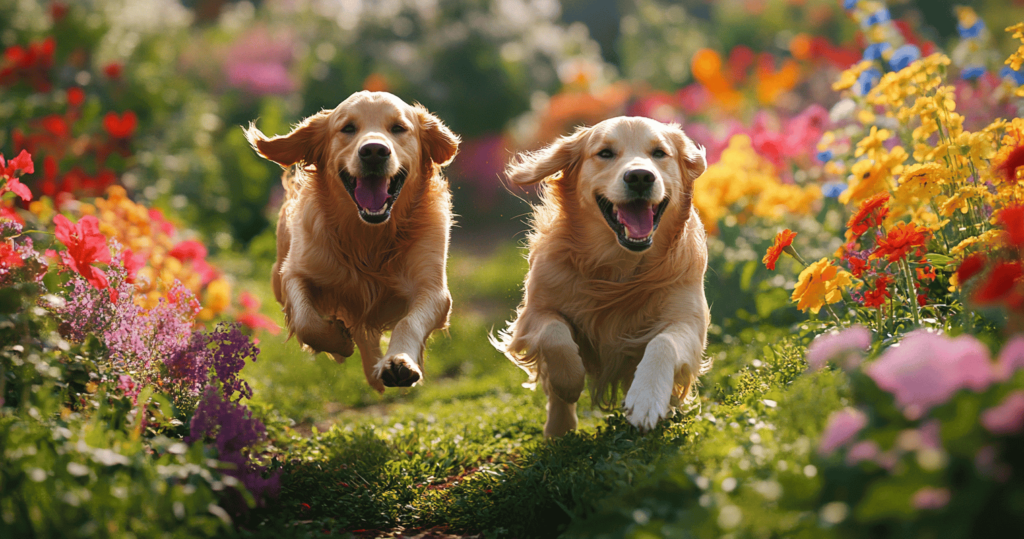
x=369 y=351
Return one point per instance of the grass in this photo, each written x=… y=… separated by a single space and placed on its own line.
x=465 y=452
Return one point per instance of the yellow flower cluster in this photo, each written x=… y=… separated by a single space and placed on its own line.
x=819 y=284
x=1017 y=58
x=148 y=236
x=744 y=184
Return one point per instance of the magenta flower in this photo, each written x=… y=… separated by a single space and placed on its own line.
x=1011 y=358
x=847 y=347
x=1006 y=418
x=862 y=451
x=927 y=369
x=842 y=426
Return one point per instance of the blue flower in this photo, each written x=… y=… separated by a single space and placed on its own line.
x=973 y=31
x=1016 y=77
x=833 y=189
x=877 y=17
x=867 y=80
x=903 y=56
x=825 y=156
x=849 y=5
x=972 y=72
x=874 y=51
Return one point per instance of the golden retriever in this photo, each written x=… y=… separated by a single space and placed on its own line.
x=615 y=289
x=362 y=237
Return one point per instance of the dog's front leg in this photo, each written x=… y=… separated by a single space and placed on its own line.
x=403 y=365
x=311 y=329
x=673 y=355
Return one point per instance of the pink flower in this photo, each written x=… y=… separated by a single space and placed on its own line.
x=927 y=369
x=1006 y=418
x=842 y=426
x=862 y=451
x=85 y=245
x=847 y=347
x=931 y=498
x=1011 y=358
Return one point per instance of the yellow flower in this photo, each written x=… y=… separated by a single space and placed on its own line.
x=1017 y=58
x=872 y=141
x=871 y=176
x=218 y=299
x=819 y=284
x=849 y=77
x=920 y=181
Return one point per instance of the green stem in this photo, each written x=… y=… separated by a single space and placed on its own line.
x=911 y=292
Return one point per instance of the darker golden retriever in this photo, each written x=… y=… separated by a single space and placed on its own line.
x=615 y=289
x=362 y=238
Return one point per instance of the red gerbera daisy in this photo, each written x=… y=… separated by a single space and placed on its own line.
x=782 y=240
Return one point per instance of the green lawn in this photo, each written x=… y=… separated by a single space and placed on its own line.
x=464 y=451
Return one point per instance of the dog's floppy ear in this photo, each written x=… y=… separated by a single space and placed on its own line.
x=692 y=157
x=550 y=162
x=304 y=144
x=437 y=141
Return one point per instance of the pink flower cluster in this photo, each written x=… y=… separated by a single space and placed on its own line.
x=846 y=347
x=926 y=369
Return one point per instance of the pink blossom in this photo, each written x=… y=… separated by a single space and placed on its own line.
x=931 y=498
x=862 y=451
x=927 y=369
x=847 y=347
x=1006 y=418
x=1011 y=358
x=842 y=426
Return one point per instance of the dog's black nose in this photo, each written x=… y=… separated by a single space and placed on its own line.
x=374 y=153
x=639 y=181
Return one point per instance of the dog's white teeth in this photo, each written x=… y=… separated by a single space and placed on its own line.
x=381 y=212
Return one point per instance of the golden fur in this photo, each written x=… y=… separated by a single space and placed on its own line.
x=341 y=280
x=593 y=307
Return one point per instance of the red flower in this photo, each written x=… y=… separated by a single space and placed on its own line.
x=133 y=262
x=189 y=250
x=857 y=266
x=58 y=10
x=999 y=284
x=925 y=272
x=877 y=296
x=9 y=213
x=1008 y=168
x=9 y=257
x=922 y=299
x=56 y=125
x=76 y=96
x=903 y=238
x=120 y=126
x=10 y=172
x=1012 y=219
x=870 y=214
x=782 y=240
x=113 y=70
x=86 y=245
x=971 y=266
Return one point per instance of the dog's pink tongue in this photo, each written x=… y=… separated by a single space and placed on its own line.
x=637 y=217
x=372 y=193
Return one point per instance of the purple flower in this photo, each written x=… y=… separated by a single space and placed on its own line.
x=847 y=347
x=927 y=369
x=842 y=426
x=1007 y=417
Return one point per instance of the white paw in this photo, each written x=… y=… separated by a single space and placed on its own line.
x=646 y=404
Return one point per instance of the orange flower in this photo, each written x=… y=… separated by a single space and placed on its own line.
x=870 y=214
x=903 y=238
x=782 y=240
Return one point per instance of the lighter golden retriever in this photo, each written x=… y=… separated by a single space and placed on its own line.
x=362 y=237
x=615 y=289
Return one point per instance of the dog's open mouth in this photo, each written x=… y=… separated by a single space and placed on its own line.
x=633 y=222
x=374 y=195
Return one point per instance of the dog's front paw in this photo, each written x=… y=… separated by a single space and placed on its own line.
x=398 y=370
x=644 y=407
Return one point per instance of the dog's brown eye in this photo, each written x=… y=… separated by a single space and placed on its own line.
x=398 y=128
x=350 y=128
x=605 y=154
x=658 y=154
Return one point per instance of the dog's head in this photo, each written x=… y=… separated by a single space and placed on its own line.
x=371 y=143
x=626 y=172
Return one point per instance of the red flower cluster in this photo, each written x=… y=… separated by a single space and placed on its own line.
x=877 y=296
x=11 y=171
x=1012 y=219
x=85 y=245
x=31 y=64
